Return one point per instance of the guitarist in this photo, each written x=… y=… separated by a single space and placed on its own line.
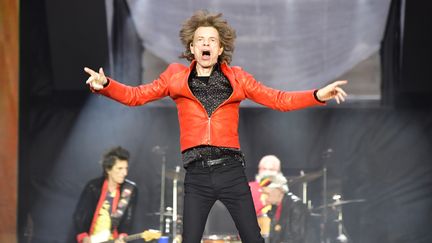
x=106 y=206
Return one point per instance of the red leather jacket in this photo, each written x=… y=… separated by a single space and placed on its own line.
x=196 y=127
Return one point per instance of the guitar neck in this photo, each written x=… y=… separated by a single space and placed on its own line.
x=147 y=235
x=133 y=237
x=127 y=238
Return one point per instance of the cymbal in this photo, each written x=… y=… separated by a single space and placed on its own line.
x=341 y=202
x=173 y=175
x=307 y=177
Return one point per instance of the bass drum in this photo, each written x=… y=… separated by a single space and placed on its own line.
x=221 y=239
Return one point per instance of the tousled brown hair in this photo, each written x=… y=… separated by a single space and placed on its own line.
x=111 y=156
x=203 y=18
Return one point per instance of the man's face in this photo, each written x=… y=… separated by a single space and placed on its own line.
x=118 y=172
x=206 y=46
x=268 y=169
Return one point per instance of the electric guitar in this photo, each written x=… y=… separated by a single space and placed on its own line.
x=147 y=235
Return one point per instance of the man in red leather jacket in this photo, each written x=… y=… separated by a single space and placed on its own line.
x=207 y=95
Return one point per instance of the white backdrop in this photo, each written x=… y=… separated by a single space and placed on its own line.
x=287 y=44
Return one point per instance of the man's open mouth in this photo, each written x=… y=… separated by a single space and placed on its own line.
x=206 y=53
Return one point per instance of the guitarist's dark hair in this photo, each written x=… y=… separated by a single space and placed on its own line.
x=111 y=156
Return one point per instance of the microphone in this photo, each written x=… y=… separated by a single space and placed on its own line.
x=159 y=150
x=327 y=153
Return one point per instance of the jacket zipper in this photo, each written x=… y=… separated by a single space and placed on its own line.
x=209 y=131
x=202 y=106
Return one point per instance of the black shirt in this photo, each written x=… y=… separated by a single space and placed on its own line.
x=211 y=91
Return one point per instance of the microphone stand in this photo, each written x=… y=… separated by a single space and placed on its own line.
x=324 y=229
x=324 y=213
x=161 y=151
x=174 y=234
x=162 y=195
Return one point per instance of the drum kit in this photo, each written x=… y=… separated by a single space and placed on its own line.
x=221 y=239
x=322 y=211
x=327 y=218
x=171 y=218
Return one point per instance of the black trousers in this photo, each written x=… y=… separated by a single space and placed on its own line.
x=226 y=182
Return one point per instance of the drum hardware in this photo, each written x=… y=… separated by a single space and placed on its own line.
x=336 y=205
x=324 y=229
x=168 y=220
x=175 y=175
x=340 y=202
x=304 y=187
x=341 y=236
x=175 y=179
x=170 y=216
x=304 y=177
x=167 y=213
x=161 y=151
x=221 y=239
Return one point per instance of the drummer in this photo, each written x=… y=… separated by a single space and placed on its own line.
x=281 y=215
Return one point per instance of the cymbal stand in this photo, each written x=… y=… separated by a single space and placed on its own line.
x=168 y=221
x=341 y=236
x=304 y=188
x=162 y=194
x=174 y=228
x=324 y=238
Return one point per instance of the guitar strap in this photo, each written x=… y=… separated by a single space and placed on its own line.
x=125 y=197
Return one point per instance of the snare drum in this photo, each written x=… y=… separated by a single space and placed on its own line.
x=221 y=239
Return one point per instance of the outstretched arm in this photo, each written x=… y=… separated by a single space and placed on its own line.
x=331 y=91
x=129 y=95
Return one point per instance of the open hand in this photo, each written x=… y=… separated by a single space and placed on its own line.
x=333 y=91
x=96 y=80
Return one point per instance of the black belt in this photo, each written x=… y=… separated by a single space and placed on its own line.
x=213 y=162
x=210 y=163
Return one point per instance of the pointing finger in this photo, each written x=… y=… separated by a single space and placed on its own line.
x=89 y=71
x=340 y=82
